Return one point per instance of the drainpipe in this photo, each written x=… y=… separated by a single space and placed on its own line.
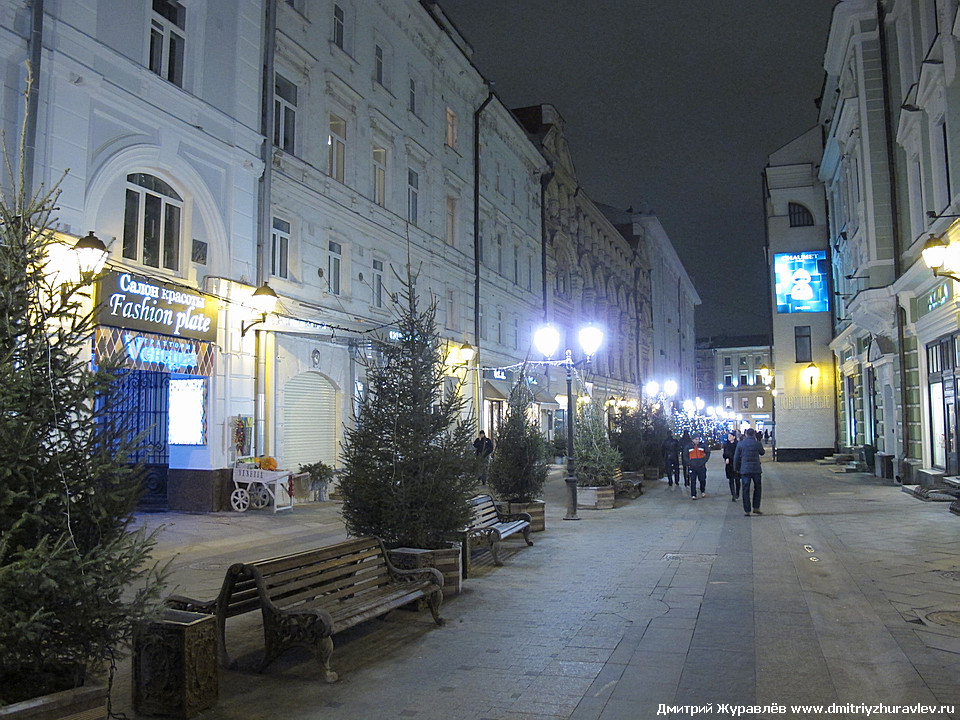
x=476 y=249
x=264 y=225
x=35 y=51
x=895 y=225
x=544 y=234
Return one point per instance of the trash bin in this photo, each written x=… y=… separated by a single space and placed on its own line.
x=175 y=668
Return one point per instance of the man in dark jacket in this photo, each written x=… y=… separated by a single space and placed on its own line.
x=484 y=447
x=733 y=477
x=671 y=459
x=746 y=460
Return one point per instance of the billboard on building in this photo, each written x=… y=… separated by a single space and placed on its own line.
x=802 y=281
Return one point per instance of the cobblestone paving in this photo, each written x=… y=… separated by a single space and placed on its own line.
x=842 y=592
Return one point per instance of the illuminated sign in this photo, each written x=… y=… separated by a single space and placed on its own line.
x=157 y=353
x=802 y=281
x=139 y=303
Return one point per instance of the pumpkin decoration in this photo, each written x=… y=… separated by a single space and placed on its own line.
x=268 y=463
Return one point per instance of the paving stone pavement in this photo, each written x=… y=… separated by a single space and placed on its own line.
x=658 y=603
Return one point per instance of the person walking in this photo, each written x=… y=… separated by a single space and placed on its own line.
x=484 y=447
x=697 y=462
x=746 y=460
x=671 y=459
x=733 y=477
x=684 y=459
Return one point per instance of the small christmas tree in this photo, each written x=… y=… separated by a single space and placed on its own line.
x=517 y=471
x=596 y=458
x=74 y=576
x=408 y=462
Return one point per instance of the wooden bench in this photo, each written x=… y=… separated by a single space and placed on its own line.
x=488 y=527
x=629 y=484
x=307 y=597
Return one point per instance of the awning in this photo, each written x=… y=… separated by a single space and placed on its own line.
x=545 y=398
x=495 y=390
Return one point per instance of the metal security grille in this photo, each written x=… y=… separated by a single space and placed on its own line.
x=139 y=404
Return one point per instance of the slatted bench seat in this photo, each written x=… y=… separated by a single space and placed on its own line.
x=488 y=527
x=627 y=484
x=307 y=597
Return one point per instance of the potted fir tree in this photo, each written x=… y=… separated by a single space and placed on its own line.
x=408 y=462
x=74 y=576
x=597 y=460
x=517 y=470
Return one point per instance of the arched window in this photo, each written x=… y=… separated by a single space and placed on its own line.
x=799 y=215
x=151 y=222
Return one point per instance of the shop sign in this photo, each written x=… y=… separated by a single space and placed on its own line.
x=159 y=353
x=131 y=301
x=498 y=374
x=928 y=302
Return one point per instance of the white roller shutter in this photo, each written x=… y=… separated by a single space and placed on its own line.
x=310 y=421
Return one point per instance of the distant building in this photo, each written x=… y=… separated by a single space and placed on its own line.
x=733 y=377
x=802 y=299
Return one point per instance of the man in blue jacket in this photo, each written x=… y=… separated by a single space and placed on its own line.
x=746 y=461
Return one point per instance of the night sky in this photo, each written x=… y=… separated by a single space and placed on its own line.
x=673 y=107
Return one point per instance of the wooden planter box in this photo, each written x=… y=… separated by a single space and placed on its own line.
x=536 y=508
x=596 y=498
x=89 y=703
x=446 y=560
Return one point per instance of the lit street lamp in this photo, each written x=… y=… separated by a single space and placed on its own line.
x=547 y=341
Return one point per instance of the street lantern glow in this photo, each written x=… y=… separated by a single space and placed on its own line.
x=688 y=406
x=934 y=252
x=547 y=340
x=591 y=338
x=91 y=255
x=652 y=388
x=670 y=387
x=699 y=404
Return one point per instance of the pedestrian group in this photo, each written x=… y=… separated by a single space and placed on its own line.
x=688 y=456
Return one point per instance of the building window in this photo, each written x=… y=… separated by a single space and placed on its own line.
x=529 y=272
x=284 y=113
x=413 y=196
x=482 y=329
x=451 y=309
x=500 y=253
x=339 y=27
x=379 y=175
x=728 y=380
x=151 y=222
x=799 y=215
x=516 y=333
x=743 y=380
x=377 y=284
x=744 y=403
x=516 y=264
x=451 y=129
x=499 y=326
x=334 y=260
x=378 y=64
x=759 y=402
x=802 y=343
x=412 y=97
x=280 y=247
x=726 y=362
x=167 y=40
x=451 y=225
x=728 y=402
x=337 y=142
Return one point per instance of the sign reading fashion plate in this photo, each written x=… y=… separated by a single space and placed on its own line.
x=132 y=301
x=159 y=353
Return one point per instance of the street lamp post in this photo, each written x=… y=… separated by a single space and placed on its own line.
x=547 y=341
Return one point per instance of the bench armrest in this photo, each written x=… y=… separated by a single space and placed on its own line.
x=305 y=615
x=517 y=516
x=434 y=575
x=182 y=602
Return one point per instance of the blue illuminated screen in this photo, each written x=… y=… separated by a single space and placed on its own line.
x=802 y=281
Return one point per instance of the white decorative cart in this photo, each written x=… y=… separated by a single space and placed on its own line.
x=256 y=488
